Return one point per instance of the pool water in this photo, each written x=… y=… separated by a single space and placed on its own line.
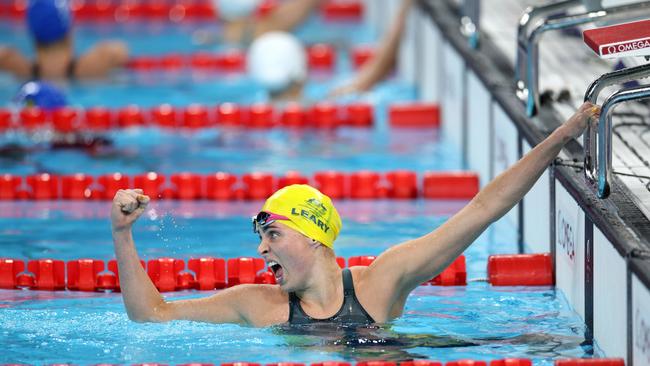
x=439 y=323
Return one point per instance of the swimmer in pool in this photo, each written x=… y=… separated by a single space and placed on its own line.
x=382 y=62
x=277 y=61
x=240 y=25
x=297 y=227
x=50 y=97
x=50 y=25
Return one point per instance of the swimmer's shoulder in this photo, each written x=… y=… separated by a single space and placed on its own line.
x=260 y=305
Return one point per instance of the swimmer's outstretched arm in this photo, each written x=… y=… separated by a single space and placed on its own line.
x=288 y=15
x=99 y=61
x=11 y=60
x=405 y=266
x=240 y=304
x=380 y=65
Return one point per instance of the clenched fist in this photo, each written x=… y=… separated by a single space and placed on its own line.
x=128 y=205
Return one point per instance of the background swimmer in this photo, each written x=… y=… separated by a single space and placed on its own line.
x=50 y=24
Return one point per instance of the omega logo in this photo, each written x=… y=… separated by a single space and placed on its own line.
x=642 y=336
x=565 y=236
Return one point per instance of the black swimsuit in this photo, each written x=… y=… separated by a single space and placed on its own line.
x=351 y=312
x=69 y=71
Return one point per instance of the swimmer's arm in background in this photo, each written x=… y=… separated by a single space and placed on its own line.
x=102 y=59
x=240 y=304
x=288 y=15
x=11 y=60
x=383 y=61
x=405 y=266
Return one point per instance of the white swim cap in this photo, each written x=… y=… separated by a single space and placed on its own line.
x=276 y=59
x=235 y=9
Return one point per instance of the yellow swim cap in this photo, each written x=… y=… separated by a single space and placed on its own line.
x=310 y=212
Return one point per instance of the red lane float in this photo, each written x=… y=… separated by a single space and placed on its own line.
x=376 y=363
x=331 y=363
x=164 y=115
x=321 y=57
x=402 y=184
x=164 y=273
x=258 y=186
x=323 y=115
x=261 y=115
x=98 y=118
x=111 y=183
x=6 y=119
x=229 y=114
x=210 y=272
x=9 y=270
x=361 y=55
x=82 y=274
x=340 y=10
x=220 y=186
x=520 y=270
x=151 y=183
x=364 y=185
x=290 y=178
x=9 y=186
x=49 y=274
x=512 y=362
x=358 y=115
x=293 y=115
x=454 y=275
x=420 y=363
x=130 y=116
x=65 y=120
x=76 y=186
x=32 y=118
x=466 y=363
x=590 y=362
x=361 y=260
x=244 y=270
x=331 y=183
x=44 y=186
x=446 y=185
x=187 y=186
x=414 y=115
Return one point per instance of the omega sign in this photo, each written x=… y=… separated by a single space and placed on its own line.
x=642 y=335
x=629 y=46
x=566 y=237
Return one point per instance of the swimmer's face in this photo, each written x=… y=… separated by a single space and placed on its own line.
x=288 y=254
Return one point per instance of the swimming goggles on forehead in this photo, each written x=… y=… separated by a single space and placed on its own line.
x=264 y=219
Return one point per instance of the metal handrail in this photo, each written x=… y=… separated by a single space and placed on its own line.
x=526 y=20
x=603 y=170
x=528 y=90
x=591 y=95
x=469 y=23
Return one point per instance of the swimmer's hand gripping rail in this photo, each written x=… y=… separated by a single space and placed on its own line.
x=589 y=139
x=598 y=173
x=527 y=64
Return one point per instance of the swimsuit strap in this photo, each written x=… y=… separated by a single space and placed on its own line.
x=36 y=71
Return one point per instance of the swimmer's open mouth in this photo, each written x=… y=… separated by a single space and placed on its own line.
x=276 y=269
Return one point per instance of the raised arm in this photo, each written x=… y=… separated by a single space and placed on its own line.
x=142 y=300
x=407 y=265
x=383 y=61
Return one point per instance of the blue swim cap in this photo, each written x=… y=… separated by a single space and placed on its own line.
x=40 y=94
x=48 y=20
